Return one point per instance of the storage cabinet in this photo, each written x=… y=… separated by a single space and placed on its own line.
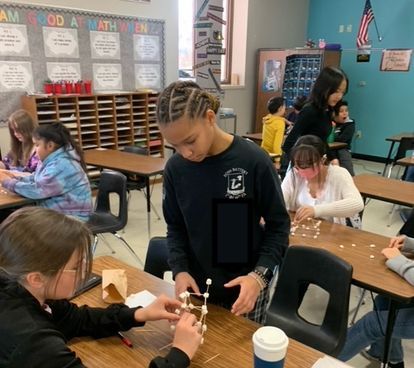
x=288 y=73
x=102 y=120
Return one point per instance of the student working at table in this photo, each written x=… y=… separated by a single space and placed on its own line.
x=60 y=181
x=219 y=181
x=315 y=189
x=22 y=155
x=370 y=329
x=44 y=257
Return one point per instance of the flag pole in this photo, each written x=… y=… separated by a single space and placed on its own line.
x=376 y=27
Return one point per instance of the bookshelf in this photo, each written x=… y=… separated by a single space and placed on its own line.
x=102 y=120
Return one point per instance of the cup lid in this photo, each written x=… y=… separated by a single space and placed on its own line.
x=270 y=337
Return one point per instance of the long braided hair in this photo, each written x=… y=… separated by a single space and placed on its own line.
x=184 y=98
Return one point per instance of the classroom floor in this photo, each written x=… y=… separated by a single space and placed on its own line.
x=376 y=217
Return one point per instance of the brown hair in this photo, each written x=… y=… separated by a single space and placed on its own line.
x=34 y=239
x=184 y=98
x=22 y=122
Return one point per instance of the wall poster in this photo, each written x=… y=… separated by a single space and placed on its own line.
x=118 y=53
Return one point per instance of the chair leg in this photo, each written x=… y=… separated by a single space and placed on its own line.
x=95 y=244
x=129 y=248
x=152 y=206
x=360 y=302
x=107 y=244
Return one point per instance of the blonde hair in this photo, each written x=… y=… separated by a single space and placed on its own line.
x=184 y=98
x=35 y=239
x=21 y=122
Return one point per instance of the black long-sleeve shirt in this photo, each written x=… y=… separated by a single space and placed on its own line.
x=311 y=120
x=32 y=337
x=244 y=171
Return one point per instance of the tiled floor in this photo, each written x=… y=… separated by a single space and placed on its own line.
x=376 y=217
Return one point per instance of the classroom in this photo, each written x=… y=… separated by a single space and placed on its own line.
x=107 y=103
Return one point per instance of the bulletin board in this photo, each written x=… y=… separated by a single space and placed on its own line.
x=39 y=43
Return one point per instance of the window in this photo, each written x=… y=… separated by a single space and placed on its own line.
x=186 y=39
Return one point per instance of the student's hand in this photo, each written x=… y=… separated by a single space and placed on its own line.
x=249 y=291
x=390 y=253
x=303 y=213
x=6 y=175
x=187 y=334
x=397 y=242
x=335 y=161
x=161 y=308
x=183 y=282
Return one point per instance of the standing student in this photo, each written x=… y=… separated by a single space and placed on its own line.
x=315 y=189
x=316 y=116
x=212 y=180
x=60 y=181
x=370 y=329
x=22 y=155
x=274 y=127
x=297 y=108
x=344 y=132
x=44 y=257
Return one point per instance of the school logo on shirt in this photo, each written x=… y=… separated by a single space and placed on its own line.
x=235 y=183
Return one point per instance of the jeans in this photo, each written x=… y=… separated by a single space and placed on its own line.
x=367 y=331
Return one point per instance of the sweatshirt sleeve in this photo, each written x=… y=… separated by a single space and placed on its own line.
x=350 y=202
x=177 y=238
x=176 y=358
x=74 y=321
x=278 y=138
x=403 y=266
x=408 y=245
x=40 y=185
x=288 y=189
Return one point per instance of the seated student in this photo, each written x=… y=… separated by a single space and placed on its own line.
x=22 y=155
x=44 y=257
x=297 y=107
x=344 y=132
x=369 y=330
x=60 y=181
x=315 y=189
x=274 y=127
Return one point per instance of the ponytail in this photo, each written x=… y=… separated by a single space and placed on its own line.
x=60 y=135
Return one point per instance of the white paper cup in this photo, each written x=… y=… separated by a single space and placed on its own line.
x=270 y=346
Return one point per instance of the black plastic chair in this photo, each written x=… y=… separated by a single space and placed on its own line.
x=156 y=262
x=406 y=144
x=304 y=266
x=136 y=182
x=102 y=219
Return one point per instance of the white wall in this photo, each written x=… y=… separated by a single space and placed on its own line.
x=166 y=10
x=273 y=24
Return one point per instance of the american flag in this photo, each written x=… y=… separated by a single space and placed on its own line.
x=367 y=18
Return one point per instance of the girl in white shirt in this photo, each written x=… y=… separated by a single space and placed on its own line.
x=315 y=189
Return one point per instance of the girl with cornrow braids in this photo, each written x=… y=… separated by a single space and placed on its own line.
x=217 y=188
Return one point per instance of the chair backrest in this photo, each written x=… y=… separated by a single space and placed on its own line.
x=303 y=266
x=137 y=150
x=406 y=144
x=408 y=227
x=156 y=261
x=112 y=182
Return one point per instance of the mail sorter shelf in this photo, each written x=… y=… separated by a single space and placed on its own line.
x=102 y=120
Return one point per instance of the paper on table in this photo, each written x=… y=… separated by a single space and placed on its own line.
x=328 y=362
x=141 y=299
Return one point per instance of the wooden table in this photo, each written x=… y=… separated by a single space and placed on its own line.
x=227 y=335
x=385 y=189
x=9 y=199
x=393 y=139
x=406 y=161
x=369 y=273
x=131 y=163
